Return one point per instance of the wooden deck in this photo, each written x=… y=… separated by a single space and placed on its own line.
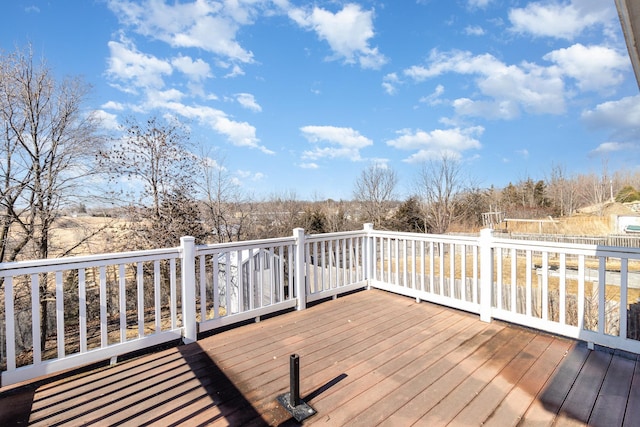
x=369 y=358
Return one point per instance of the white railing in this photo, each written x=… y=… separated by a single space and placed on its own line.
x=99 y=307
x=87 y=308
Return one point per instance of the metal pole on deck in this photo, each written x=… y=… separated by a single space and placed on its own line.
x=291 y=401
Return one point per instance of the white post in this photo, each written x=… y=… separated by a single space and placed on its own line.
x=368 y=254
x=486 y=273
x=189 y=325
x=299 y=269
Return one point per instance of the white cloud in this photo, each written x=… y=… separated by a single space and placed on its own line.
x=207 y=25
x=509 y=88
x=194 y=70
x=347 y=32
x=596 y=68
x=248 y=101
x=310 y=165
x=474 y=30
x=112 y=105
x=130 y=66
x=389 y=83
x=562 y=20
x=439 y=142
x=240 y=134
x=108 y=120
x=610 y=147
x=434 y=98
x=342 y=142
x=479 y=3
x=621 y=116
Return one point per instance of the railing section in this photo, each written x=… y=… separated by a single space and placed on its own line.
x=241 y=281
x=436 y=268
x=334 y=264
x=588 y=292
x=62 y=313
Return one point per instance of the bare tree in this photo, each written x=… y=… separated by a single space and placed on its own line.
x=156 y=159
x=374 y=190
x=47 y=151
x=561 y=190
x=439 y=184
x=227 y=209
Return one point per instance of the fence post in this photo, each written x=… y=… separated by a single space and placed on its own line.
x=486 y=273
x=188 y=267
x=368 y=254
x=299 y=269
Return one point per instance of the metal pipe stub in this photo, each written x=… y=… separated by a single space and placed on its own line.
x=291 y=401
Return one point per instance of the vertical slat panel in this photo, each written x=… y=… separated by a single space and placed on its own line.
x=344 y=262
x=203 y=287
x=476 y=274
x=215 y=283
x=441 y=269
x=422 y=266
x=331 y=260
x=528 y=283
x=452 y=270
x=10 y=316
x=581 y=292
x=602 y=287
x=104 y=331
x=396 y=255
x=82 y=309
x=624 y=286
x=272 y=278
x=122 y=281
x=315 y=267
x=60 y=314
x=157 y=295
x=140 y=291
x=387 y=257
x=545 y=286
x=291 y=272
x=463 y=272
x=514 y=280
x=413 y=265
x=281 y=254
x=239 y=274
x=499 y=262
x=227 y=282
x=35 y=318
x=173 y=294
x=563 y=289
x=323 y=254
x=432 y=271
x=404 y=264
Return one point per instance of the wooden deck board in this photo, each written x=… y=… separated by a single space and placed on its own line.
x=579 y=403
x=369 y=358
x=611 y=402
x=522 y=396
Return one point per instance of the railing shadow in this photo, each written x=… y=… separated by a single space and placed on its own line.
x=180 y=385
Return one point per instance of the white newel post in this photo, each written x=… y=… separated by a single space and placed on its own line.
x=368 y=254
x=486 y=273
x=190 y=328
x=300 y=270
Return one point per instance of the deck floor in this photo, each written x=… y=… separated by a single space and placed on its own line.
x=369 y=358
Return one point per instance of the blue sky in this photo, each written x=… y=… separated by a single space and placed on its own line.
x=300 y=97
